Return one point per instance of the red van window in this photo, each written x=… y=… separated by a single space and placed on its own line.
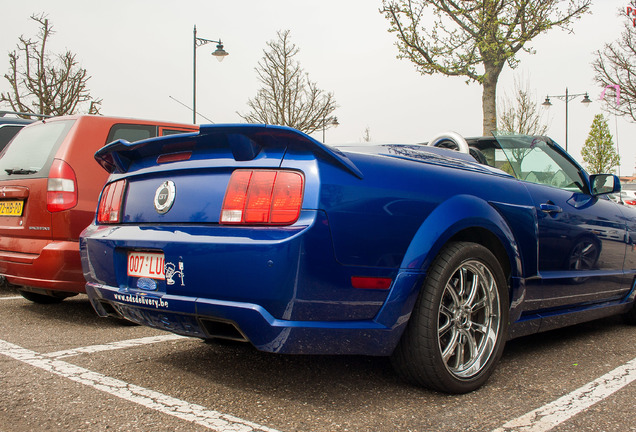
x=171 y=131
x=131 y=132
x=33 y=147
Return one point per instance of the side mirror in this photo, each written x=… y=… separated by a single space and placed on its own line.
x=602 y=184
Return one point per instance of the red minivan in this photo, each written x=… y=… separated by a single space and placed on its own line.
x=49 y=187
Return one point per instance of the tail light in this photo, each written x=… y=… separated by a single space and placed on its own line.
x=263 y=197
x=61 y=190
x=109 y=209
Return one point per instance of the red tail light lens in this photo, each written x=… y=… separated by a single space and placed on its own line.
x=61 y=190
x=259 y=197
x=263 y=197
x=109 y=209
x=287 y=197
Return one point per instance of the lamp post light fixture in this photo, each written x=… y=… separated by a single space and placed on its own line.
x=567 y=97
x=331 y=121
x=219 y=53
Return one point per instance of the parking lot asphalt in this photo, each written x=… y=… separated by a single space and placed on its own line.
x=62 y=368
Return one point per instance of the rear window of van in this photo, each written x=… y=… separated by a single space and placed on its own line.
x=30 y=150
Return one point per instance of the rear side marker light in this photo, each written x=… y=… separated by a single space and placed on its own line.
x=363 y=282
x=263 y=197
x=109 y=209
x=61 y=188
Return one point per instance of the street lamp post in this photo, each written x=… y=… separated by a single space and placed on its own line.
x=567 y=97
x=331 y=121
x=219 y=53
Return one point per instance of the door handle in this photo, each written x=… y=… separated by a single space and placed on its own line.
x=550 y=208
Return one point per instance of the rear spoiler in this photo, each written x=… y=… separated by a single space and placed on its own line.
x=244 y=140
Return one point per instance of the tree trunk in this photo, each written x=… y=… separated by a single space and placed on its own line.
x=489 y=98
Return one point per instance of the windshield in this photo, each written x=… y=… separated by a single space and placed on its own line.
x=32 y=147
x=537 y=160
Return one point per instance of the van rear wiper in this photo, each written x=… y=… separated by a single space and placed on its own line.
x=20 y=171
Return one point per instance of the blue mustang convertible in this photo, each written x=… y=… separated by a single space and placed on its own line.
x=432 y=254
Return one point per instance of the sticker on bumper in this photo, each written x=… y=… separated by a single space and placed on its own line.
x=172 y=272
x=157 y=303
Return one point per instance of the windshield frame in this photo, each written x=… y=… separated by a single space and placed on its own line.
x=563 y=160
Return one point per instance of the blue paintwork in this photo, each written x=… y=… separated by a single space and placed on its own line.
x=375 y=211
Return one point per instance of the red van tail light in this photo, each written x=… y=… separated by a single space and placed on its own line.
x=263 y=197
x=109 y=209
x=61 y=189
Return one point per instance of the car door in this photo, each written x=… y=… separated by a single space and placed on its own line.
x=582 y=238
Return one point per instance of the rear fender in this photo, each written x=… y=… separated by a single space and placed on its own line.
x=461 y=212
x=453 y=219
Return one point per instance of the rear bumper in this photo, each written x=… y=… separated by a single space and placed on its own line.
x=209 y=318
x=280 y=288
x=290 y=271
x=57 y=267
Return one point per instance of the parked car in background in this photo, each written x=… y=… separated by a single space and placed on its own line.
x=626 y=197
x=628 y=193
x=430 y=255
x=49 y=187
x=9 y=126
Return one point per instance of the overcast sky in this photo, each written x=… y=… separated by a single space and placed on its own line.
x=139 y=54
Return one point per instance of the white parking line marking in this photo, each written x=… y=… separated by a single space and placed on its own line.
x=148 y=398
x=12 y=298
x=550 y=415
x=130 y=343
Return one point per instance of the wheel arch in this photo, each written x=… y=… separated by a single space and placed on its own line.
x=465 y=218
x=490 y=241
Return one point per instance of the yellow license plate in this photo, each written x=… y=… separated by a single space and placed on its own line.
x=11 y=208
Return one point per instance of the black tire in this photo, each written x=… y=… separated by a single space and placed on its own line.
x=630 y=317
x=456 y=334
x=43 y=298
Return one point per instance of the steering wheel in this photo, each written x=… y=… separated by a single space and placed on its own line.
x=455 y=139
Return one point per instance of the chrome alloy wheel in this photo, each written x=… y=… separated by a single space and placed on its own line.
x=469 y=319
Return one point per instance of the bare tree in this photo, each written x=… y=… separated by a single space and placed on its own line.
x=42 y=83
x=366 y=136
x=522 y=114
x=615 y=65
x=287 y=96
x=474 y=38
